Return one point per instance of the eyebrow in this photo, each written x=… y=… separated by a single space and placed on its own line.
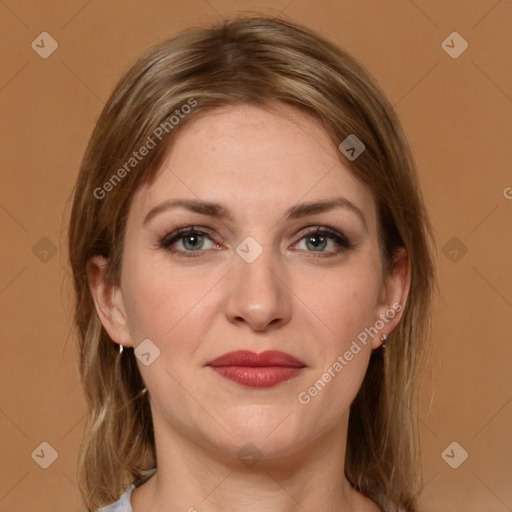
x=218 y=211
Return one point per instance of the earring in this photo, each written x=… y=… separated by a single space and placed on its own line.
x=121 y=348
x=384 y=340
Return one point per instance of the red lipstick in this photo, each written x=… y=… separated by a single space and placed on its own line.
x=261 y=370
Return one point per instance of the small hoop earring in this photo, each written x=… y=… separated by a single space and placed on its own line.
x=384 y=340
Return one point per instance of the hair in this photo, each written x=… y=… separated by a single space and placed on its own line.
x=259 y=61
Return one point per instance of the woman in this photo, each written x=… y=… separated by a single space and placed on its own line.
x=246 y=237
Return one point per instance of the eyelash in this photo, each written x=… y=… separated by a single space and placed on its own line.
x=339 y=239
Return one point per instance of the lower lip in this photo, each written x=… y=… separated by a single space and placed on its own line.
x=257 y=376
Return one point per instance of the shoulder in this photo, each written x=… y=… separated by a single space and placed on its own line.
x=122 y=504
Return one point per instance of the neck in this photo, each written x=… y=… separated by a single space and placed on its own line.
x=193 y=478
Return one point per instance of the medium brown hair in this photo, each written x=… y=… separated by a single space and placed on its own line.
x=249 y=60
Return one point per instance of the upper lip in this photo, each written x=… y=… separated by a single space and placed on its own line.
x=248 y=358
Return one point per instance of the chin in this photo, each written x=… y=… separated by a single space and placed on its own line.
x=264 y=432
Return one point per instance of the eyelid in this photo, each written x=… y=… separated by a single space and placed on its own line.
x=176 y=235
x=342 y=242
x=337 y=236
x=315 y=228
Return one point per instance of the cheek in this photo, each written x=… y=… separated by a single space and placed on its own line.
x=160 y=302
x=343 y=300
x=343 y=304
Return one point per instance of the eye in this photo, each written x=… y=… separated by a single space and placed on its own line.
x=192 y=239
x=319 y=238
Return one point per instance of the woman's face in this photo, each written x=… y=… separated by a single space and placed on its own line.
x=258 y=280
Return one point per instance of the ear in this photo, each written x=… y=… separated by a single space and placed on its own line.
x=108 y=301
x=393 y=295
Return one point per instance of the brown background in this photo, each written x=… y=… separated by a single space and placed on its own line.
x=457 y=115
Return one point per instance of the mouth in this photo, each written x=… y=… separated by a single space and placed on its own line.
x=262 y=370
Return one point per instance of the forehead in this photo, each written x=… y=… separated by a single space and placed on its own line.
x=253 y=159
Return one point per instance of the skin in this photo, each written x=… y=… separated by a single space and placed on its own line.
x=257 y=162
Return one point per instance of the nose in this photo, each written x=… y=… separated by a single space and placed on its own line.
x=258 y=293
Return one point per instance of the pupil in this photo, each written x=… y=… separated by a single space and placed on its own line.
x=318 y=240
x=192 y=237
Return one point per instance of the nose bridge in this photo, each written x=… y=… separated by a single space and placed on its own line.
x=257 y=294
